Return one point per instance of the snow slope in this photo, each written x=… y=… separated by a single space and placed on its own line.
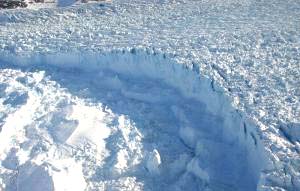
x=146 y=95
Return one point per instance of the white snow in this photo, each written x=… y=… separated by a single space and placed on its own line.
x=67 y=175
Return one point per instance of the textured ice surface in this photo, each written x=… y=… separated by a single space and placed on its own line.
x=250 y=49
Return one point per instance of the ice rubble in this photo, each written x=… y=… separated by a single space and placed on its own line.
x=249 y=48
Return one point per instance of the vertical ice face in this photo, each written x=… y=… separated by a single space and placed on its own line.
x=63 y=174
x=128 y=120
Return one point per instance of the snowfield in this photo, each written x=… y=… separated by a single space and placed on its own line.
x=151 y=95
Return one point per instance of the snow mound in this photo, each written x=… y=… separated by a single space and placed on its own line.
x=123 y=120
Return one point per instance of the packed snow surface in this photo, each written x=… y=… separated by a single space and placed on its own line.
x=151 y=95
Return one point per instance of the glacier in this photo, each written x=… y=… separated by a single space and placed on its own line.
x=151 y=95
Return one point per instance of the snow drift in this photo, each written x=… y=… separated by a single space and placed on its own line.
x=179 y=130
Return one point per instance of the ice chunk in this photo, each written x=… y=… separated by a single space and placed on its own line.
x=32 y=177
x=154 y=162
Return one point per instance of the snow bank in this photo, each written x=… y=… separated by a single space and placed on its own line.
x=238 y=132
